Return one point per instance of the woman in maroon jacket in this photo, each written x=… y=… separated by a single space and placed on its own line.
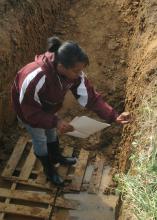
x=38 y=93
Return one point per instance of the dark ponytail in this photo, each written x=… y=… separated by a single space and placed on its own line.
x=53 y=44
x=70 y=53
x=67 y=53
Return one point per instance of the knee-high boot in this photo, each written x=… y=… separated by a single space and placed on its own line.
x=50 y=171
x=56 y=156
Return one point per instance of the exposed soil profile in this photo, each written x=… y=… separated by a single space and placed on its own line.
x=120 y=38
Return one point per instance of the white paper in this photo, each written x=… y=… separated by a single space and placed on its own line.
x=85 y=126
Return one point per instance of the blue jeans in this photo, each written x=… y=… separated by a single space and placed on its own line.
x=40 y=138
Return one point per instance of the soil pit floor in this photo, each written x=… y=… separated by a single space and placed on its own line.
x=25 y=192
x=95 y=206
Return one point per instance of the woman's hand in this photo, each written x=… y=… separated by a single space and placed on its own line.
x=123 y=118
x=64 y=127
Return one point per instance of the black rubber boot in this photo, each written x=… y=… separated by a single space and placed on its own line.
x=57 y=157
x=50 y=171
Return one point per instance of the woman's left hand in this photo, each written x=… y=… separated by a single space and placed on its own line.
x=123 y=118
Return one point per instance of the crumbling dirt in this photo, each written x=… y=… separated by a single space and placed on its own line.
x=141 y=66
x=141 y=72
x=25 y=26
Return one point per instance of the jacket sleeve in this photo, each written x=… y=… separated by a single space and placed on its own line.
x=89 y=98
x=32 y=109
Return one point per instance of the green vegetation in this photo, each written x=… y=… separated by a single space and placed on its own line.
x=139 y=186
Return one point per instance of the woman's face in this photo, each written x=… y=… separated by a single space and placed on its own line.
x=72 y=72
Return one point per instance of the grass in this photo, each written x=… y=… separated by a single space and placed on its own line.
x=139 y=186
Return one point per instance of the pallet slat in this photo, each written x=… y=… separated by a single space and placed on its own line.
x=15 y=157
x=41 y=178
x=60 y=215
x=28 y=165
x=38 y=197
x=24 y=210
x=31 y=182
x=80 y=170
x=96 y=175
x=13 y=186
x=66 y=203
x=26 y=195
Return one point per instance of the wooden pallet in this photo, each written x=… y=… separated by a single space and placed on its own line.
x=21 y=163
x=29 y=194
x=23 y=170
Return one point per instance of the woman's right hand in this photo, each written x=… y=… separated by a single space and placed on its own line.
x=64 y=127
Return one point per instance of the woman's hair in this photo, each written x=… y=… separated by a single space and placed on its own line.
x=53 y=44
x=68 y=53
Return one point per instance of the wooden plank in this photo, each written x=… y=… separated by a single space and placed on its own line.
x=31 y=182
x=39 y=197
x=15 y=157
x=41 y=178
x=28 y=165
x=63 y=170
x=25 y=210
x=66 y=203
x=96 y=175
x=80 y=170
x=27 y=195
x=68 y=151
x=61 y=214
x=2 y=215
x=35 y=172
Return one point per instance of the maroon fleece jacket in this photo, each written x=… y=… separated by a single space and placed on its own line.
x=38 y=92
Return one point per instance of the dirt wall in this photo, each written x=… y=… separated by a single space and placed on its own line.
x=142 y=69
x=24 y=27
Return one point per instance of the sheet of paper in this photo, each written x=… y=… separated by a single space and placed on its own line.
x=85 y=126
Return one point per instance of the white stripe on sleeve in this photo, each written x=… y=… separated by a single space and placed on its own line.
x=27 y=81
x=82 y=92
x=38 y=87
